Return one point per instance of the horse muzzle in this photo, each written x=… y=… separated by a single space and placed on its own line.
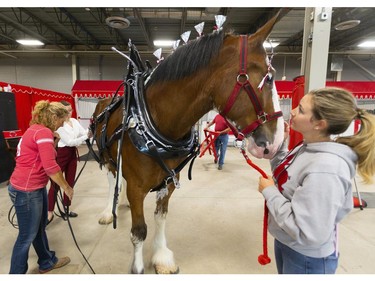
x=260 y=146
x=264 y=150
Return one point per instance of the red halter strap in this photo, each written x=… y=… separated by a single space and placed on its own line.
x=263 y=117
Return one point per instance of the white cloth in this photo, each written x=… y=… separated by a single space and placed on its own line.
x=71 y=135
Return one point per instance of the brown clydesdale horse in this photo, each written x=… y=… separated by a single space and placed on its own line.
x=219 y=71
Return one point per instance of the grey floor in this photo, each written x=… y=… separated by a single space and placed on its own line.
x=214 y=225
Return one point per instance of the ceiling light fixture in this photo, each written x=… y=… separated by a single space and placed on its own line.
x=163 y=43
x=367 y=44
x=117 y=22
x=30 y=42
x=345 y=25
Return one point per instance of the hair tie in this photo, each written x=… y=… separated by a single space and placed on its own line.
x=360 y=113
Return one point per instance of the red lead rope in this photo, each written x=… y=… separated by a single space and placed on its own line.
x=263 y=259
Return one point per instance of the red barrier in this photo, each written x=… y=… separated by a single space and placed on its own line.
x=209 y=143
x=297 y=95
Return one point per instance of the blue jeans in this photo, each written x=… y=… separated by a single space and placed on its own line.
x=221 y=144
x=289 y=261
x=31 y=211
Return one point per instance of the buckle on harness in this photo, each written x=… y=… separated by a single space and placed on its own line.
x=242 y=78
x=176 y=182
x=263 y=118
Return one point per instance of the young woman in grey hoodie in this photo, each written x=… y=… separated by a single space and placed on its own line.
x=310 y=191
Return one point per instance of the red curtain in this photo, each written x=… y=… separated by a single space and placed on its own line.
x=26 y=97
x=285 y=89
x=97 y=88
x=297 y=95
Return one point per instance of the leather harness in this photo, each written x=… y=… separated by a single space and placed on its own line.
x=243 y=83
x=141 y=129
x=145 y=137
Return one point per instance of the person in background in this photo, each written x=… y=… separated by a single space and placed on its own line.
x=311 y=188
x=35 y=164
x=69 y=136
x=221 y=141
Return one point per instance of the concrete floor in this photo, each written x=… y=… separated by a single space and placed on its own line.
x=214 y=225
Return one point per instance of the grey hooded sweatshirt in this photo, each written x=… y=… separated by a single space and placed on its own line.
x=316 y=196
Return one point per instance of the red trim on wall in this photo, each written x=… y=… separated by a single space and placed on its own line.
x=96 y=88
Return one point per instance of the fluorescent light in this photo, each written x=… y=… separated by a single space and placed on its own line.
x=163 y=43
x=268 y=44
x=30 y=42
x=367 y=44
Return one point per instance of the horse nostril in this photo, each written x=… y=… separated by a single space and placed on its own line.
x=263 y=144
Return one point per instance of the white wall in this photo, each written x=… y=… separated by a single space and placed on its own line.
x=51 y=72
x=54 y=71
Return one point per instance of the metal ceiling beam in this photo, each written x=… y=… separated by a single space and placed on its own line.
x=183 y=21
x=80 y=25
x=70 y=27
x=7 y=37
x=348 y=37
x=113 y=33
x=56 y=22
x=5 y=54
x=143 y=27
x=362 y=67
x=24 y=29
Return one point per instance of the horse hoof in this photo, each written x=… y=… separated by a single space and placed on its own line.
x=166 y=270
x=105 y=220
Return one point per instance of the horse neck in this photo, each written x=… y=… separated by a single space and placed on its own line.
x=176 y=108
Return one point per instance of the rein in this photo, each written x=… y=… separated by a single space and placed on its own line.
x=262 y=117
x=243 y=83
x=263 y=259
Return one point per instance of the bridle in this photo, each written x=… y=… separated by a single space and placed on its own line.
x=262 y=117
x=243 y=83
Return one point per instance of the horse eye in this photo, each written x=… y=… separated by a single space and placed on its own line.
x=269 y=80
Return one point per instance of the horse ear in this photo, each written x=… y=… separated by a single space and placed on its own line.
x=262 y=33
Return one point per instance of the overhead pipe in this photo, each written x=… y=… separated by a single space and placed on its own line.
x=361 y=67
x=5 y=54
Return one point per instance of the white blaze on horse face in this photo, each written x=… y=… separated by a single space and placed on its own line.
x=272 y=148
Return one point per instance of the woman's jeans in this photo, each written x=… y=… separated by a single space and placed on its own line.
x=31 y=211
x=221 y=144
x=289 y=261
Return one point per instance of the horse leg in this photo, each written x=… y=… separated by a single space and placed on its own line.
x=106 y=216
x=162 y=258
x=138 y=231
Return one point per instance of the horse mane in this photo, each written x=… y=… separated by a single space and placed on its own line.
x=188 y=58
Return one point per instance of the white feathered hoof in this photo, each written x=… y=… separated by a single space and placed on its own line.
x=159 y=269
x=106 y=219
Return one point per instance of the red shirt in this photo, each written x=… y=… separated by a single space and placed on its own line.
x=220 y=123
x=35 y=160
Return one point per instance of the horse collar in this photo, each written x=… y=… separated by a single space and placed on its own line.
x=242 y=82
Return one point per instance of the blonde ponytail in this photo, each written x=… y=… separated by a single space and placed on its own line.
x=363 y=143
x=339 y=108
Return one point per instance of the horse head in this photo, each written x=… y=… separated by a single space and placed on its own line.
x=247 y=95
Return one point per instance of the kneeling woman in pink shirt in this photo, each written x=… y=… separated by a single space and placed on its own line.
x=35 y=164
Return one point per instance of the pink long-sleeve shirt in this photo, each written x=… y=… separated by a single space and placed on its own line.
x=35 y=160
